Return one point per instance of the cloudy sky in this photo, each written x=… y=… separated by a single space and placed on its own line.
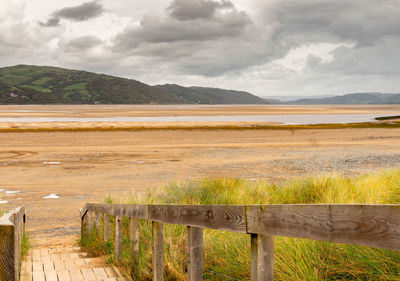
x=269 y=48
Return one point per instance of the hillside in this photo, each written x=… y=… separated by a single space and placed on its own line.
x=357 y=98
x=27 y=84
x=204 y=95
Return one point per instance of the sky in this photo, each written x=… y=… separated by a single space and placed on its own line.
x=268 y=48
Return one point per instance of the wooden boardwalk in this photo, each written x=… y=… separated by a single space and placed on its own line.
x=66 y=264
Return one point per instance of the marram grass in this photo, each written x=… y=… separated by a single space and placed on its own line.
x=295 y=259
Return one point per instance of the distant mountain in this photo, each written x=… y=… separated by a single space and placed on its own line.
x=290 y=98
x=204 y=95
x=357 y=98
x=28 y=84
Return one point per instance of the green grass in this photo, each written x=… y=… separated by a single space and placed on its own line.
x=295 y=259
x=33 y=87
x=25 y=244
x=14 y=79
x=41 y=81
x=77 y=86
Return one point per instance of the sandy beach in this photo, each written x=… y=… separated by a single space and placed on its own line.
x=82 y=167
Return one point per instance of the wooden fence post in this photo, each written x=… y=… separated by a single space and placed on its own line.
x=98 y=222
x=118 y=238
x=158 y=251
x=11 y=231
x=195 y=253
x=89 y=222
x=134 y=239
x=262 y=257
x=106 y=227
x=7 y=252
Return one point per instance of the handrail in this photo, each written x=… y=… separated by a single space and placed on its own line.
x=12 y=227
x=357 y=224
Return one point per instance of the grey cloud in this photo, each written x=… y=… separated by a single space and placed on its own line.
x=167 y=30
x=360 y=21
x=216 y=39
x=51 y=22
x=83 y=42
x=81 y=12
x=378 y=59
x=195 y=9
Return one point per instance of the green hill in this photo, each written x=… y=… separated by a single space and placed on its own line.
x=27 y=84
x=204 y=95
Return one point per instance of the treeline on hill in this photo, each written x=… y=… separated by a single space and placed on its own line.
x=27 y=84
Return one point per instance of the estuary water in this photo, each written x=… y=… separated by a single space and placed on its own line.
x=295 y=119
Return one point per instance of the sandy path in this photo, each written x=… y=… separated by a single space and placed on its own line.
x=93 y=164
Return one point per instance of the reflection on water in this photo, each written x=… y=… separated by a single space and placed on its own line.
x=299 y=119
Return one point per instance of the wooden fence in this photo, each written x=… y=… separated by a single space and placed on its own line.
x=12 y=227
x=368 y=225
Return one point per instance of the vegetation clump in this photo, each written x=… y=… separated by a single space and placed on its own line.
x=228 y=254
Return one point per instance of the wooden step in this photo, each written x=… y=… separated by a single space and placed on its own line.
x=66 y=264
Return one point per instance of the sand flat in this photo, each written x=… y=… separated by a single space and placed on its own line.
x=92 y=164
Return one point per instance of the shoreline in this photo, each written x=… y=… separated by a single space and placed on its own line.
x=156 y=126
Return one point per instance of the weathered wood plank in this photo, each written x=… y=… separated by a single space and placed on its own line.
x=89 y=219
x=106 y=220
x=118 y=238
x=38 y=276
x=98 y=222
x=100 y=273
x=11 y=232
x=195 y=253
x=134 y=239
x=158 y=251
x=123 y=210
x=262 y=257
x=26 y=271
x=76 y=274
x=63 y=275
x=88 y=274
x=7 y=251
x=59 y=265
x=48 y=265
x=110 y=272
x=36 y=255
x=37 y=266
x=368 y=225
x=51 y=275
x=222 y=217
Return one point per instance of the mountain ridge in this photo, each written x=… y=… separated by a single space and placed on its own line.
x=30 y=84
x=352 y=98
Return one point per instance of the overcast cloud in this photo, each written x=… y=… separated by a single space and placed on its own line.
x=82 y=12
x=276 y=47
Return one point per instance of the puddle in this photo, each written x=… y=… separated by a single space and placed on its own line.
x=12 y=191
x=52 y=163
x=3 y=202
x=51 y=196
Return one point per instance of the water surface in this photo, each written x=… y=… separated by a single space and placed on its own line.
x=295 y=119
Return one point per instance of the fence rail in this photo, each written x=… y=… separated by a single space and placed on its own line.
x=368 y=225
x=12 y=227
